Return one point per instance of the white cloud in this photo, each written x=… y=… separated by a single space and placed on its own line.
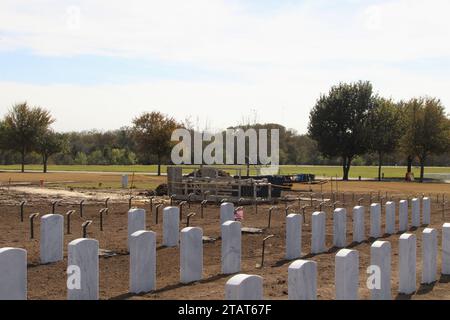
x=224 y=32
x=283 y=59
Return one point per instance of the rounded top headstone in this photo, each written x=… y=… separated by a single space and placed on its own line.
x=381 y=244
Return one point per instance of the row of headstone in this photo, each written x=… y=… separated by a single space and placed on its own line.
x=83 y=255
x=359 y=234
x=302 y=274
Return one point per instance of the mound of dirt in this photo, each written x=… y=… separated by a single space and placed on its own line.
x=162 y=189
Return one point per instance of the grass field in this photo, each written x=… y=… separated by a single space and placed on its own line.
x=325 y=171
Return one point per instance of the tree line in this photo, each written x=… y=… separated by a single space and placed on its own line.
x=351 y=121
x=350 y=125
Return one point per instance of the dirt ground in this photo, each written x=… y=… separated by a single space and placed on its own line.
x=49 y=281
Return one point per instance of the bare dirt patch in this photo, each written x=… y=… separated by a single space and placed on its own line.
x=49 y=281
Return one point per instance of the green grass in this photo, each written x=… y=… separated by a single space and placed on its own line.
x=327 y=171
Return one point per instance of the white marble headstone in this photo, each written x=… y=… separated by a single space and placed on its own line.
x=83 y=254
x=302 y=280
x=415 y=212
x=13 y=274
x=244 y=287
x=52 y=238
x=407 y=263
x=375 y=220
x=380 y=258
x=136 y=222
x=340 y=228
x=231 y=247
x=191 y=254
x=446 y=249
x=347 y=274
x=429 y=256
x=390 y=217
x=359 y=229
x=226 y=212
x=171 y=226
x=318 y=232
x=142 y=261
x=403 y=217
x=426 y=211
x=293 y=236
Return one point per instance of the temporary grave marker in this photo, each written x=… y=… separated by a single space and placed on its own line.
x=390 y=217
x=101 y=213
x=318 y=232
x=142 y=261
x=293 y=236
x=52 y=238
x=346 y=274
x=359 y=230
x=84 y=227
x=81 y=208
x=407 y=263
x=69 y=215
x=32 y=217
x=171 y=226
x=270 y=236
x=155 y=217
x=136 y=222
x=340 y=228
x=429 y=255
x=231 y=247
x=403 y=215
x=244 y=287
x=446 y=249
x=271 y=209
x=22 y=204
x=13 y=274
x=302 y=280
x=380 y=261
x=83 y=255
x=191 y=254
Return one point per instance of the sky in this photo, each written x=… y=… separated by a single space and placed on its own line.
x=97 y=64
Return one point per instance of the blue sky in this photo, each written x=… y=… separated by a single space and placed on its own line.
x=215 y=62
